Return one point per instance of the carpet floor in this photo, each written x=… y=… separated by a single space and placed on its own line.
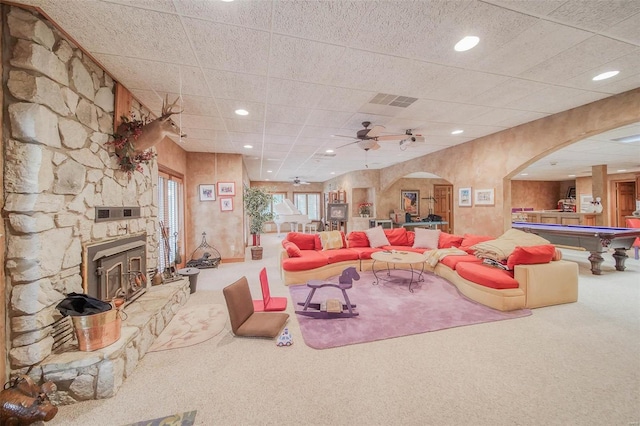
x=388 y=310
x=190 y=326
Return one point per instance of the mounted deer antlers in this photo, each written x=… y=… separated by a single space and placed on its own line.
x=154 y=131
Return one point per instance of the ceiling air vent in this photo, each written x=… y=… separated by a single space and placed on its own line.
x=104 y=214
x=392 y=100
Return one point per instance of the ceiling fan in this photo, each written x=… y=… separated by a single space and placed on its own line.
x=298 y=182
x=368 y=138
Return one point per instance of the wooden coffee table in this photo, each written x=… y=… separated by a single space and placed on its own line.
x=397 y=257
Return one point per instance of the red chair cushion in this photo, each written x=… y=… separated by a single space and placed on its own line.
x=309 y=259
x=487 y=276
x=531 y=255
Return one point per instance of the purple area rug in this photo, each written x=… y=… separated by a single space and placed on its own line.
x=389 y=310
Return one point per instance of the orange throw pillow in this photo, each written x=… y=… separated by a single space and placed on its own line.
x=449 y=240
x=292 y=249
x=531 y=255
x=358 y=239
x=469 y=240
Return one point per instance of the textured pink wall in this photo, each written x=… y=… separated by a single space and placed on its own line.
x=491 y=161
x=536 y=194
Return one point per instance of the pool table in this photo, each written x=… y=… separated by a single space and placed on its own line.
x=595 y=239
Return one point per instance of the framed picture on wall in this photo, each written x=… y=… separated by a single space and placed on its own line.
x=484 y=197
x=226 y=204
x=207 y=192
x=410 y=201
x=226 y=188
x=464 y=197
x=338 y=211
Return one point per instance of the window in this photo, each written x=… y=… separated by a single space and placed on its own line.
x=308 y=203
x=278 y=197
x=170 y=217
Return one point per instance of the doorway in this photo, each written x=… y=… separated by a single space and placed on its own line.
x=625 y=201
x=443 y=205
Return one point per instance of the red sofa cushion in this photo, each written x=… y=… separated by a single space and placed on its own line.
x=357 y=239
x=397 y=236
x=309 y=259
x=411 y=238
x=303 y=241
x=531 y=255
x=339 y=255
x=486 y=275
x=470 y=240
x=453 y=261
x=292 y=249
x=364 y=253
x=449 y=240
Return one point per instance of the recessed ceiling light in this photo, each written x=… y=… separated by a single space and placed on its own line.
x=457 y=132
x=242 y=112
x=248 y=146
x=469 y=42
x=269 y=171
x=266 y=178
x=572 y=175
x=329 y=151
x=227 y=1
x=621 y=170
x=524 y=174
x=605 y=75
x=333 y=173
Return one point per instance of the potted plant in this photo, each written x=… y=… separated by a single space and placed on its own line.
x=256 y=204
x=364 y=209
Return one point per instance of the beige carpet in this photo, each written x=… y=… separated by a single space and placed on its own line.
x=190 y=326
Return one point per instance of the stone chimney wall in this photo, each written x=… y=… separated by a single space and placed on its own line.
x=59 y=108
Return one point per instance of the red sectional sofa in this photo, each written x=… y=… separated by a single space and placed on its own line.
x=536 y=277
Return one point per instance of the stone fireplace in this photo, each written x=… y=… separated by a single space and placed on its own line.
x=58 y=174
x=116 y=268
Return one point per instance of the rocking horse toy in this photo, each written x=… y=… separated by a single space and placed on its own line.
x=331 y=308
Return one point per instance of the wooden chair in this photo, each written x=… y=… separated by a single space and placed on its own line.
x=244 y=320
x=268 y=303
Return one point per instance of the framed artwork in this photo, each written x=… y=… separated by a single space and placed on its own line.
x=207 y=192
x=484 y=197
x=464 y=197
x=226 y=188
x=226 y=204
x=338 y=211
x=410 y=201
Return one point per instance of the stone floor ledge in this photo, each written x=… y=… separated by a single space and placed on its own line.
x=81 y=375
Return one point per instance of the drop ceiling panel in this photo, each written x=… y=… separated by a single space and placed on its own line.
x=505 y=118
x=595 y=15
x=626 y=30
x=252 y=14
x=202 y=122
x=510 y=91
x=283 y=129
x=326 y=118
x=591 y=53
x=159 y=5
x=305 y=60
x=294 y=93
x=555 y=99
x=285 y=114
x=229 y=85
x=628 y=65
x=334 y=22
x=228 y=107
x=229 y=47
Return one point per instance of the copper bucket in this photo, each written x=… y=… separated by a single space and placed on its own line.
x=98 y=330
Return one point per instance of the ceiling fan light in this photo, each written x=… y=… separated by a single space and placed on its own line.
x=467 y=43
x=605 y=75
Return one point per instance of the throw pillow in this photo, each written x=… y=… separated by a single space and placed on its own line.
x=292 y=249
x=330 y=240
x=358 y=239
x=303 y=241
x=449 y=240
x=531 y=255
x=376 y=237
x=469 y=240
x=426 y=238
x=411 y=238
x=396 y=236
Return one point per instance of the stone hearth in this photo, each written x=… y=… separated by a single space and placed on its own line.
x=98 y=374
